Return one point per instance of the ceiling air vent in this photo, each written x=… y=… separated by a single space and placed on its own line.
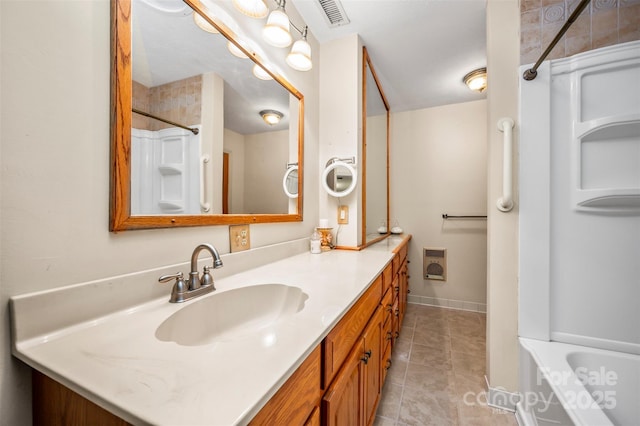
x=334 y=13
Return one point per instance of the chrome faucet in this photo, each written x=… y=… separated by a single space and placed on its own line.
x=197 y=286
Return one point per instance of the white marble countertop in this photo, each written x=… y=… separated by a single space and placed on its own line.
x=117 y=362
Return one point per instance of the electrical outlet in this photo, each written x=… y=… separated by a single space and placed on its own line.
x=343 y=215
x=239 y=238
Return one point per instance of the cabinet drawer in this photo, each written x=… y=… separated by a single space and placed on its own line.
x=296 y=399
x=341 y=339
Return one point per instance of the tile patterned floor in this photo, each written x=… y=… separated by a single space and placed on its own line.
x=437 y=376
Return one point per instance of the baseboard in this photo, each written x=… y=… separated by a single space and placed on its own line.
x=448 y=303
x=500 y=398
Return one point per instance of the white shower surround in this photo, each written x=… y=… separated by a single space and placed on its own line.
x=580 y=242
x=579 y=286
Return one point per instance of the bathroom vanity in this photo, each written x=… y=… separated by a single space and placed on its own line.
x=322 y=364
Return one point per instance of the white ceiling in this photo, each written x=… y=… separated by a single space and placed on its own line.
x=421 y=49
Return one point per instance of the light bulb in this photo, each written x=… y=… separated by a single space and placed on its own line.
x=300 y=56
x=276 y=31
x=253 y=8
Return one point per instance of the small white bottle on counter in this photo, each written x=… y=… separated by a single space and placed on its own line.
x=315 y=242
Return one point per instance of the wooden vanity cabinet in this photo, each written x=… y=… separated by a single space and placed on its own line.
x=296 y=400
x=339 y=342
x=354 y=394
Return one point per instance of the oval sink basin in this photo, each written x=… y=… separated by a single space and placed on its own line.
x=232 y=314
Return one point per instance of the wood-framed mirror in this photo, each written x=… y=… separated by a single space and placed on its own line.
x=189 y=146
x=375 y=156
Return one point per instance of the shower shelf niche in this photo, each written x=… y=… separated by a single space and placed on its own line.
x=606 y=137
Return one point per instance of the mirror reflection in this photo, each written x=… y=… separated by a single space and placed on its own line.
x=339 y=178
x=183 y=78
x=290 y=182
x=376 y=181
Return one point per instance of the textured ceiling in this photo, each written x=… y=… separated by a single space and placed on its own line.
x=421 y=49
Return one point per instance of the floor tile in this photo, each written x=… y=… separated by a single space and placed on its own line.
x=437 y=376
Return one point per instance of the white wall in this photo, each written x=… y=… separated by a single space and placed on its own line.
x=234 y=146
x=503 y=54
x=266 y=156
x=438 y=165
x=341 y=131
x=55 y=168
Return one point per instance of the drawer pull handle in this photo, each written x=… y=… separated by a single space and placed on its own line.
x=397 y=312
x=389 y=308
x=366 y=357
x=397 y=334
x=388 y=366
x=397 y=289
x=408 y=290
x=389 y=335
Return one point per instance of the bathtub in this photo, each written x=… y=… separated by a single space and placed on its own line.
x=576 y=385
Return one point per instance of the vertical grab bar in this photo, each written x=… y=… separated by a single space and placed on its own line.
x=203 y=180
x=505 y=203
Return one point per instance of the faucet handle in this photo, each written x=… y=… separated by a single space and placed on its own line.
x=206 y=279
x=179 y=288
x=166 y=278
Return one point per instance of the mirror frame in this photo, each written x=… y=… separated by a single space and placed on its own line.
x=120 y=218
x=366 y=62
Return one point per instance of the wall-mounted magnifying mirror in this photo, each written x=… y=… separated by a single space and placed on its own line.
x=290 y=181
x=339 y=178
x=173 y=73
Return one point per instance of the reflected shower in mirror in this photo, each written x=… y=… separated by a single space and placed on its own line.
x=376 y=150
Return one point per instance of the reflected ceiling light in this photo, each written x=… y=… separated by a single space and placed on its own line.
x=203 y=24
x=253 y=8
x=476 y=80
x=271 y=116
x=259 y=72
x=276 y=31
x=235 y=50
x=300 y=56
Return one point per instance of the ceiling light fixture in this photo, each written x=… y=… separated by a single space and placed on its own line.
x=252 y=8
x=276 y=31
x=300 y=56
x=476 y=80
x=271 y=116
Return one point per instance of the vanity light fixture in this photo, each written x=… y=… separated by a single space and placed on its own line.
x=476 y=80
x=271 y=116
x=300 y=56
x=253 y=8
x=203 y=24
x=259 y=72
x=235 y=51
x=276 y=31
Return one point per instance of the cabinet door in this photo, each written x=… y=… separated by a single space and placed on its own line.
x=342 y=404
x=372 y=338
x=404 y=289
